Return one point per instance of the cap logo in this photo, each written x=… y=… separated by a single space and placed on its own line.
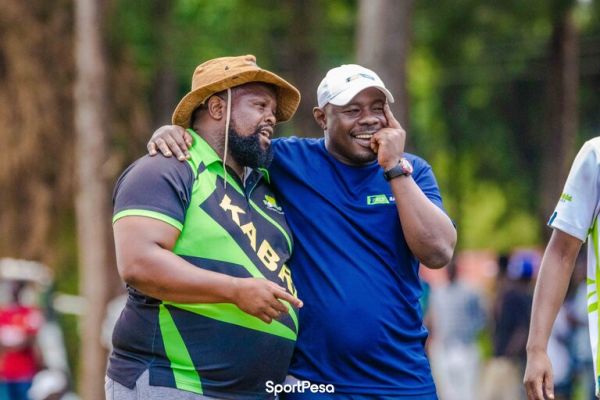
x=359 y=75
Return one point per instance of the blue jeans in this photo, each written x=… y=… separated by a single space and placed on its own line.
x=14 y=390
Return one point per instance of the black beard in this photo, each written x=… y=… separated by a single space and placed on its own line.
x=247 y=150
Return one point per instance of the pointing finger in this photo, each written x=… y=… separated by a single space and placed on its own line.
x=549 y=386
x=289 y=298
x=391 y=120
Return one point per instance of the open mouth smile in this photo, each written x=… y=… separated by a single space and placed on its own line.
x=363 y=138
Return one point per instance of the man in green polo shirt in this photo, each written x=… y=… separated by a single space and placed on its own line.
x=203 y=246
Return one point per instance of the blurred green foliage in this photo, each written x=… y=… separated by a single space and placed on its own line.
x=476 y=83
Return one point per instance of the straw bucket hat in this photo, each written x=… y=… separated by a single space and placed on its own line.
x=218 y=74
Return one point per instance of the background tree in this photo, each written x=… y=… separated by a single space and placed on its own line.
x=302 y=59
x=92 y=189
x=383 y=43
x=562 y=88
x=36 y=111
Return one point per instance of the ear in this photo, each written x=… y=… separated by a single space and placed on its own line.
x=320 y=117
x=216 y=107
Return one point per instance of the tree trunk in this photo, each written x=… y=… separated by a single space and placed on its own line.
x=35 y=127
x=383 y=43
x=164 y=86
x=92 y=192
x=302 y=61
x=562 y=118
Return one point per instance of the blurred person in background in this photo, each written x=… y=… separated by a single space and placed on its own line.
x=51 y=384
x=574 y=220
x=20 y=360
x=559 y=353
x=456 y=316
x=511 y=314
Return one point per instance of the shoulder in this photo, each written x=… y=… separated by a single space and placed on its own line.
x=149 y=177
x=156 y=168
x=593 y=143
x=294 y=151
x=421 y=168
x=295 y=143
x=589 y=152
x=586 y=165
x=417 y=162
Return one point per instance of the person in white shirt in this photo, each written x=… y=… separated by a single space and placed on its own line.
x=574 y=220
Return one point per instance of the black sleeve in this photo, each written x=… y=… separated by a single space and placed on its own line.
x=154 y=187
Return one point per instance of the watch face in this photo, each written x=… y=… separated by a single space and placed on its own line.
x=406 y=166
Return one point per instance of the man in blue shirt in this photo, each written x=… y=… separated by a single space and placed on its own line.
x=364 y=214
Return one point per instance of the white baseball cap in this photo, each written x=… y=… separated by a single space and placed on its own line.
x=342 y=83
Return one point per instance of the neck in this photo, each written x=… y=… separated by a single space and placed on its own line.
x=216 y=140
x=239 y=169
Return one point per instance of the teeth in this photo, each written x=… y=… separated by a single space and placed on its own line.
x=363 y=136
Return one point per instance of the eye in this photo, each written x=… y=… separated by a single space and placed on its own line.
x=351 y=112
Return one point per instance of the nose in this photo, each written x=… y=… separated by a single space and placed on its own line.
x=270 y=117
x=369 y=119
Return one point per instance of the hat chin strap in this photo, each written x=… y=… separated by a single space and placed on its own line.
x=227 y=120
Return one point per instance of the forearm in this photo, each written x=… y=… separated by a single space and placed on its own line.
x=428 y=231
x=550 y=290
x=161 y=274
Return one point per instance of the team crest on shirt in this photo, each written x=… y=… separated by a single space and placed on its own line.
x=271 y=204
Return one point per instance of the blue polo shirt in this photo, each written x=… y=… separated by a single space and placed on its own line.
x=361 y=327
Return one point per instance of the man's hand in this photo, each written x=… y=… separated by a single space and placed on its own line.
x=261 y=298
x=388 y=142
x=170 y=139
x=538 y=376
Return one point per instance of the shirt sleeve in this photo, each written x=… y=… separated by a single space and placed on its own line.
x=154 y=187
x=577 y=207
x=425 y=179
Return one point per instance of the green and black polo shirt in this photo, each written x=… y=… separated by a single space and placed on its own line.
x=235 y=229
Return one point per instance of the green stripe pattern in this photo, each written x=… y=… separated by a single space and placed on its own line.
x=594 y=306
x=184 y=371
x=216 y=243
x=150 y=214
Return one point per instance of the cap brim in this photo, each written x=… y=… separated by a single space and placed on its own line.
x=288 y=97
x=347 y=95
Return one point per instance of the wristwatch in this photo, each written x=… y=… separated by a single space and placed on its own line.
x=403 y=168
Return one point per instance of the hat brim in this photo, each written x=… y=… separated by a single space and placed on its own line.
x=288 y=97
x=347 y=95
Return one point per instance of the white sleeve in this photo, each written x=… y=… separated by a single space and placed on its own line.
x=578 y=204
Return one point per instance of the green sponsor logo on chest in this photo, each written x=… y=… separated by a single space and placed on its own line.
x=377 y=199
